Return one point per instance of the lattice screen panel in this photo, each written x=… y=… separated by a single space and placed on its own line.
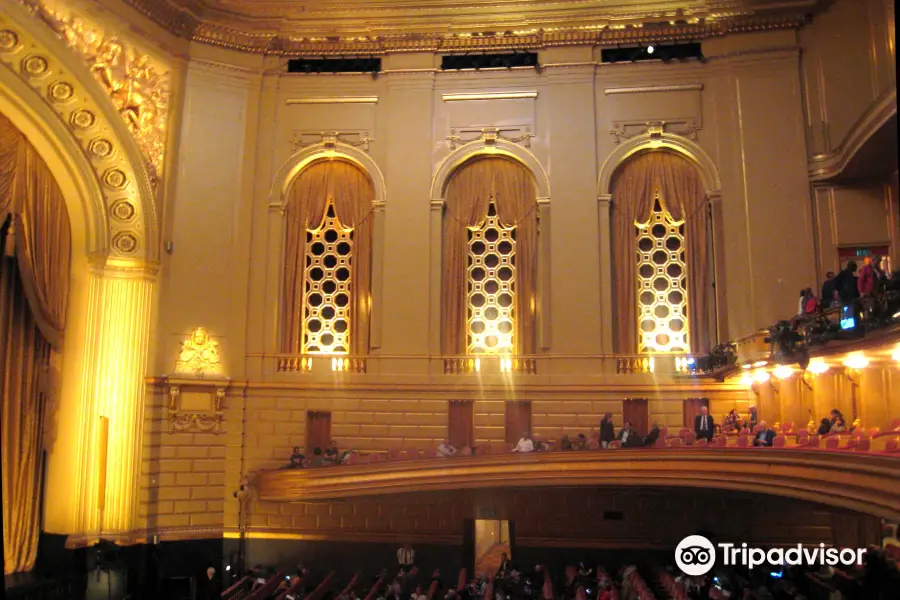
x=491 y=287
x=662 y=283
x=327 y=294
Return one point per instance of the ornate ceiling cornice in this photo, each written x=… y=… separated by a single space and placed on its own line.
x=366 y=27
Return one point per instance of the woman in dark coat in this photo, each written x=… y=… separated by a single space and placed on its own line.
x=607 y=431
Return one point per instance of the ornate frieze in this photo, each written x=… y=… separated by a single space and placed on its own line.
x=136 y=86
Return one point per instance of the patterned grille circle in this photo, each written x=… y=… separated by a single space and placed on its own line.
x=491 y=279
x=326 y=312
x=662 y=283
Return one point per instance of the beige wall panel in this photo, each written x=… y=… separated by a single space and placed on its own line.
x=197 y=276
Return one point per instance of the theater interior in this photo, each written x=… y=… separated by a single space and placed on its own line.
x=457 y=299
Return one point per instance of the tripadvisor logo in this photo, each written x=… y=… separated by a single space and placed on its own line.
x=696 y=555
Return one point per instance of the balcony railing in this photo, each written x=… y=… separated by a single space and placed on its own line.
x=484 y=364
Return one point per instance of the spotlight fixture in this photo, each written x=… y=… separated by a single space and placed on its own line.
x=650 y=49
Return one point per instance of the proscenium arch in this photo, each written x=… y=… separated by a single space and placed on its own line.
x=709 y=175
x=53 y=122
x=319 y=152
x=498 y=147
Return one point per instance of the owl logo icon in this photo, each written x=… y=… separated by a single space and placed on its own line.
x=695 y=555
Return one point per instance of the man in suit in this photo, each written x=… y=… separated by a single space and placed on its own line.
x=765 y=435
x=703 y=425
x=628 y=437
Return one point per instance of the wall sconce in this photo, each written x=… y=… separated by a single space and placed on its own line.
x=856 y=361
x=783 y=372
x=817 y=367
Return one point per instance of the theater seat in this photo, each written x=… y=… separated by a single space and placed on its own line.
x=787 y=428
x=701 y=443
x=863 y=445
x=689 y=438
x=743 y=441
x=720 y=441
x=832 y=442
x=683 y=431
x=676 y=442
x=892 y=446
x=778 y=441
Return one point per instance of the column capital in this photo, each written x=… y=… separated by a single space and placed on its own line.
x=604 y=200
x=437 y=204
x=110 y=267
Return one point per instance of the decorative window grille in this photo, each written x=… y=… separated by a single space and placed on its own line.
x=491 y=287
x=329 y=250
x=662 y=283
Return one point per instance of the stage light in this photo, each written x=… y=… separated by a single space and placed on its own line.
x=818 y=367
x=747 y=379
x=783 y=371
x=759 y=364
x=857 y=360
x=761 y=376
x=650 y=49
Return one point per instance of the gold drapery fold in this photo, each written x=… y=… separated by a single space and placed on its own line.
x=681 y=192
x=466 y=205
x=40 y=228
x=353 y=195
x=25 y=361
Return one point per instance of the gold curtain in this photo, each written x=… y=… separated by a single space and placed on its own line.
x=352 y=192
x=466 y=205
x=40 y=230
x=682 y=194
x=35 y=251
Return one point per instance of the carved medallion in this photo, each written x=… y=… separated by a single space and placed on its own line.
x=60 y=91
x=100 y=147
x=115 y=178
x=125 y=242
x=35 y=66
x=8 y=40
x=83 y=119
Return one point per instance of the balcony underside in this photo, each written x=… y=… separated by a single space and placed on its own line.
x=868 y=484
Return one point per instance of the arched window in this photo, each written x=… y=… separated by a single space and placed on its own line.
x=328 y=260
x=662 y=283
x=660 y=252
x=491 y=287
x=489 y=259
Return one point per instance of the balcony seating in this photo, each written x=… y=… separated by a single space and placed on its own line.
x=778 y=441
x=832 y=442
x=802 y=438
x=676 y=442
x=787 y=428
x=743 y=441
x=373 y=593
x=701 y=443
x=270 y=586
x=863 y=445
x=238 y=590
x=720 y=441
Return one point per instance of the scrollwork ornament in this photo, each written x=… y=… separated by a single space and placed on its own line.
x=179 y=422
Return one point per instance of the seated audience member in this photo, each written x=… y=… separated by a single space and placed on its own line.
x=839 y=426
x=332 y=454
x=732 y=421
x=318 y=460
x=607 y=432
x=653 y=436
x=565 y=444
x=703 y=425
x=525 y=444
x=824 y=427
x=628 y=437
x=297 y=458
x=580 y=442
x=835 y=415
x=446 y=449
x=765 y=435
x=752 y=418
x=418 y=594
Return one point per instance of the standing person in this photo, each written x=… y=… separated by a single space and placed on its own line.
x=607 y=431
x=870 y=276
x=212 y=585
x=703 y=425
x=406 y=557
x=827 y=297
x=845 y=284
